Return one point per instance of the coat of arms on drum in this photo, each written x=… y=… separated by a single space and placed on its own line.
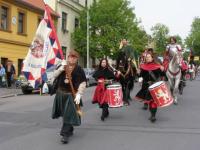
x=161 y=94
x=117 y=96
x=37 y=46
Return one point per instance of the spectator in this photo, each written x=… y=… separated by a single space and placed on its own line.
x=10 y=72
x=2 y=74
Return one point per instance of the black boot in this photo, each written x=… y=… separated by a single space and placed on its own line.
x=106 y=112
x=71 y=131
x=152 y=118
x=103 y=114
x=65 y=139
x=145 y=107
x=66 y=132
x=153 y=114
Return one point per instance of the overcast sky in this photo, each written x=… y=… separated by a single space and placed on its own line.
x=177 y=15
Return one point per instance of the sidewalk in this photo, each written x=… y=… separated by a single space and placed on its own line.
x=6 y=92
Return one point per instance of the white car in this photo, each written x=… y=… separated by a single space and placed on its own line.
x=89 y=76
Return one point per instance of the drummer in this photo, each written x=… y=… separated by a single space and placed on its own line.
x=150 y=72
x=104 y=77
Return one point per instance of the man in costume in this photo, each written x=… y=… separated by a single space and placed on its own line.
x=71 y=83
x=126 y=69
x=170 y=49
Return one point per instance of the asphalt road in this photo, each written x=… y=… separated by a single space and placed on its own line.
x=26 y=124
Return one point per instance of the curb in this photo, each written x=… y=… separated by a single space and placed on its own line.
x=11 y=95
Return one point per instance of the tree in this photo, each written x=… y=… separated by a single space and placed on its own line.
x=110 y=21
x=193 y=39
x=160 y=36
x=179 y=40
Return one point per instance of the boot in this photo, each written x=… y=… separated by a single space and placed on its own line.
x=106 y=112
x=152 y=118
x=65 y=139
x=103 y=114
x=153 y=110
x=145 y=107
x=71 y=131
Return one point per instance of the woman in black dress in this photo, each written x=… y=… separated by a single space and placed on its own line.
x=150 y=72
x=102 y=75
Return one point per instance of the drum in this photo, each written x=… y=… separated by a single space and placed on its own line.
x=161 y=94
x=187 y=76
x=114 y=95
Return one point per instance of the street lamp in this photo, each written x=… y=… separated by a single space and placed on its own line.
x=87 y=34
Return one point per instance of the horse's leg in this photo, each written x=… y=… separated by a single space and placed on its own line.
x=172 y=88
x=176 y=85
x=170 y=80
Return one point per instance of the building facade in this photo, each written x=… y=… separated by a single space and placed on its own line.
x=19 y=20
x=69 y=11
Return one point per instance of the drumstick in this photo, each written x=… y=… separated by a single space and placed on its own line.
x=115 y=70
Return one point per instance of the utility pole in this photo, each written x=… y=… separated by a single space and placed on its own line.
x=88 y=17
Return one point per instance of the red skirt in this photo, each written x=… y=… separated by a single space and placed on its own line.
x=99 y=94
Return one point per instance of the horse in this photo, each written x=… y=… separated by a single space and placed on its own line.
x=173 y=74
x=127 y=68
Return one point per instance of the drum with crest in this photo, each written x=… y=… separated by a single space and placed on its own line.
x=161 y=94
x=114 y=95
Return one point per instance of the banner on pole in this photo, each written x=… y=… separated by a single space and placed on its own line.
x=44 y=52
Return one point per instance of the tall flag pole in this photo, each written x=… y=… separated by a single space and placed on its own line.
x=44 y=52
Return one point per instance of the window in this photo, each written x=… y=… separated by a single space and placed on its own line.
x=4 y=61
x=20 y=64
x=64 y=49
x=4 y=17
x=64 y=21
x=76 y=23
x=21 y=22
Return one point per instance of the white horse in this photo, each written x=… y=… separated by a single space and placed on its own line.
x=174 y=74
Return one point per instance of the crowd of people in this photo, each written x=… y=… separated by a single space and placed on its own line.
x=114 y=84
x=7 y=73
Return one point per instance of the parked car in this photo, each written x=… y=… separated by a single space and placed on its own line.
x=28 y=89
x=89 y=76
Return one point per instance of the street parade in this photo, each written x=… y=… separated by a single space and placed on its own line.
x=94 y=75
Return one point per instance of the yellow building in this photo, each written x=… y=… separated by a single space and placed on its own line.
x=18 y=23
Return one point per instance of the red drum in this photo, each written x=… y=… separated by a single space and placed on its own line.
x=187 y=76
x=114 y=95
x=161 y=94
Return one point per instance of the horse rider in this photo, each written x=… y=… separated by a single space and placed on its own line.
x=126 y=69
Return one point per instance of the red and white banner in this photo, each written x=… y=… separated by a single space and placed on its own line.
x=44 y=52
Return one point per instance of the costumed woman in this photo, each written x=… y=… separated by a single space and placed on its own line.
x=71 y=83
x=150 y=72
x=104 y=77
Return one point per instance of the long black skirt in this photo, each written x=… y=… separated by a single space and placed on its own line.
x=64 y=106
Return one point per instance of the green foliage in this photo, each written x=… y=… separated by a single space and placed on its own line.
x=160 y=37
x=110 y=21
x=179 y=40
x=193 y=39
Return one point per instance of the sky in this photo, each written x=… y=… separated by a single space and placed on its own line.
x=177 y=15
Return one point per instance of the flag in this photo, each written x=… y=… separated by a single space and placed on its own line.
x=44 y=52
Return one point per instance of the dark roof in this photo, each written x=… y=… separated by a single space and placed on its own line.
x=38 y=5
